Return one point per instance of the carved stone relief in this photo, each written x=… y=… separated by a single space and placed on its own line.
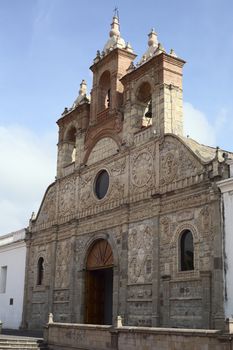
x=140 y=254
x=118 y=167
x=169 y=167
x=142 y=174
x=86 y=199
x=142 y=168
x=117 y=190
x=177 y=162
x=140 y=293
x=48 y=209
x=205 y=220
x=194 y=199
x=61 y=295
x=62 y=265
x=66 y=203
x=165 y=229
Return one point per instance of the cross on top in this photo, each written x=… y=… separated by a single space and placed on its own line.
x=116 y=12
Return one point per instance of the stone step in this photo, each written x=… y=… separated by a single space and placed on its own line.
x=22 y=347
x=22 y=344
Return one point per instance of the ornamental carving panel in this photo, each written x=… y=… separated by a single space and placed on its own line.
x=170 y=167
x=118 y=167
x=165 y=229
x=117 y=190
x=48 y=210
x=177 y=162
x=86 y=199
x=142 y=168
x=66 y=203
x=205 y=220
x=140 y=242
x=62 y=264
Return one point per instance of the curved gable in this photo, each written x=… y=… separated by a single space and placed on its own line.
x=47 y=210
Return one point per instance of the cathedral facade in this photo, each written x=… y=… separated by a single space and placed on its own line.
x=132 y=225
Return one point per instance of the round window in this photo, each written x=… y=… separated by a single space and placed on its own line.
x=101 y=184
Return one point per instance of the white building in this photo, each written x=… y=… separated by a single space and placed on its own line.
x=12 y=274
x=226 y=188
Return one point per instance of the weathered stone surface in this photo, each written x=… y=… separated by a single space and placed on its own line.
x=160 y=185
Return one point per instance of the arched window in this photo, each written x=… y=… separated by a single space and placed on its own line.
x=40 y=271
x=145 y=103
x=70 y=146
x=186 y=251
x=104 y=91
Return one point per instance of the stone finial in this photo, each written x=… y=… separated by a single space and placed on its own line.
x=97 y=57
x=172 y=53
x=83 y=88
x=131 y=67
x=160 y=49
x=50 y=320
x=153 y=39
x=65 y=111
x=152 y=47
x=115 y=40
x=115 y=27
x=119 y=322
x=128 y=47
x=33 y=216
x=82 y=94
x=217 y=153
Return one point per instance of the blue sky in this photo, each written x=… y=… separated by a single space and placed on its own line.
x=47 y=47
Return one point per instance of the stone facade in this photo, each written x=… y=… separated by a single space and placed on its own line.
x=161 y=185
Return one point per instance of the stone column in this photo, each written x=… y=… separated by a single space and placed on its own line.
x=79 y=297
x=79 y=274
x=52 y=269
x=155 y=275
x=206 y=298
x=72 y=277
x=27 y=296
x=123 y=278
x=217 y=277
x=166 y=301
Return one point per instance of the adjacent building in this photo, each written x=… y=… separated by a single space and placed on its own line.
x=12 y=275
x=132 y=225
x=226 y=188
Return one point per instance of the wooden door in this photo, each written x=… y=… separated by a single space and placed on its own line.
x=94 y=297
x=99 y=260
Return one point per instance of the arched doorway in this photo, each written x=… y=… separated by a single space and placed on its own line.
x=99 y=284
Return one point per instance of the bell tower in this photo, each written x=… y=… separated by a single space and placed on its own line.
x=108 y=68
x=153 y=92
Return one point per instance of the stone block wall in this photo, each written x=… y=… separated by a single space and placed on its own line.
x=70 y=336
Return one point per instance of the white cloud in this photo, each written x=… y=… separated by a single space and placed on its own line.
x=197 y=126
x=27 y=167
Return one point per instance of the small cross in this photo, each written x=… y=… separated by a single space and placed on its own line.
x=116 y=12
